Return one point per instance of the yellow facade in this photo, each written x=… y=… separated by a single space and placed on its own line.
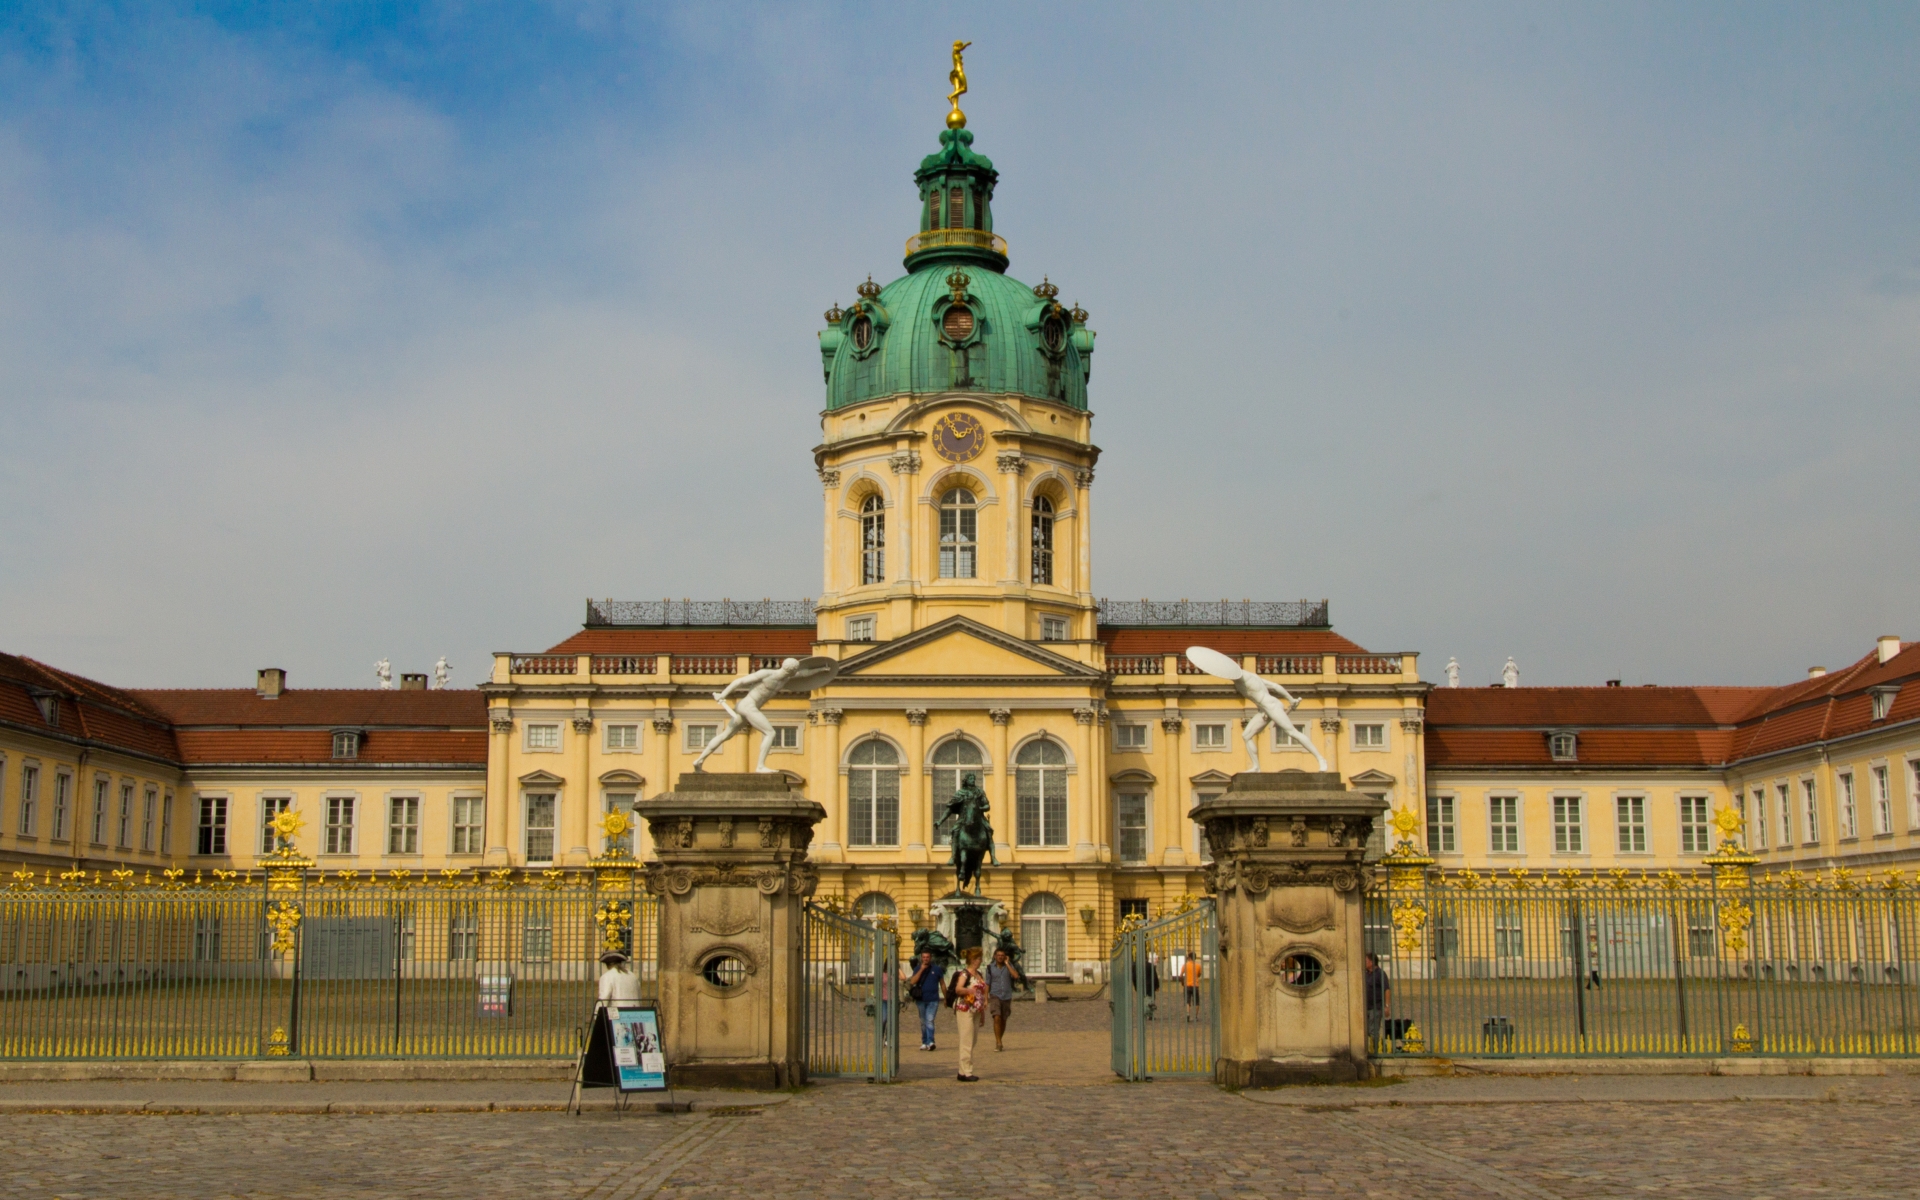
x=67 y=806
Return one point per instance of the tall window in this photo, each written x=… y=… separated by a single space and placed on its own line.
x=166 y=823
x=271 y=807
x=952 y=761
x=1503 y=824
x=147 y=810
x=1568 y=836
x=469 y=813
x=1693 y=825
x=956 y=208
x=542 y=808
x=1849 y=811
x=1205 y=848
x=206 y=939
x=1440 y=836
x=1786 y=815
x=1043 y=931
x=29 y=799
x=873 y=540
x=339 y=832
x=62 y=796
x=1509 y=934
x=873 y=795
x=124 y=827
x=1040 y=793
x=1882 y=802
x=1913 y=793
x=1042 y=540
x=463 y=935
x=536 y=935
x=959 y=535
x=1630 y=816
x=1812 y=809
x=620 y=802
x=212 y=832
x=1130 y=820
x=98 y=829
x=1760 y=818
x=403 y=825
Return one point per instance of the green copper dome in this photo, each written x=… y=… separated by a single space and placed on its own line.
x=956 y=321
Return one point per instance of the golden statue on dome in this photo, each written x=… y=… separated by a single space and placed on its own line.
x=958 y=78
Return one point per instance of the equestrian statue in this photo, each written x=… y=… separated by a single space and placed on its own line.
x=972 y=835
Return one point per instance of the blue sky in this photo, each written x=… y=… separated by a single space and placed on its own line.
x=1582 y=334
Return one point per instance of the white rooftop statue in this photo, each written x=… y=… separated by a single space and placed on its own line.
x=1453 y=672
x=1264 y=694
x=1510 y=674
x=442 y=672
x=792 y=675
x=383 y=671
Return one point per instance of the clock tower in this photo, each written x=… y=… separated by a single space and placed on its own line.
x=957 y=456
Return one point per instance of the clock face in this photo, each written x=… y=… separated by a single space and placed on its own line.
x=959 y=438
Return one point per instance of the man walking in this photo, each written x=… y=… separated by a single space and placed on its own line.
x=924 y=988
x=1379 y=991
x=1001 y=976
x=1190 y=973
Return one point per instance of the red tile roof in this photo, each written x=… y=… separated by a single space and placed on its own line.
x=86 y=709
x=320 y=707
x=1586 y=706
x=202 y=747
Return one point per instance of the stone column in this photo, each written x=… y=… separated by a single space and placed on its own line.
x=1002 y=797
x=1092 y=792
x=499 y=787
x=826 y=781
x=579 y=817
x=916 y=823
x=1287 y=881
x=730 y=868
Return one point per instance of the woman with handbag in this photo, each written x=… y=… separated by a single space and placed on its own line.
x=967 y=996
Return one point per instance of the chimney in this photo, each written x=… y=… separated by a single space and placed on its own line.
x=1613 y=683
x=1888 y=645
x=1815 y=672
x=413 y=683
x=270 y=682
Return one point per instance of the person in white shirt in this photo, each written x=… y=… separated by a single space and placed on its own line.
x=618 y=986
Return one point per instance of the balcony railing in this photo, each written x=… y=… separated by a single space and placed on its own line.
x=1135 y=664
x=543 y=664
x=1187 y=668
x=605 y=613
x=1287 y=664
x=1367 y=664
x=979 y=239
x=625 y=664
x=705 y=664
x=1311 y=613
x=766 y=662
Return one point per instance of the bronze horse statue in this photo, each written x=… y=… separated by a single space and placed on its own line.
x=972 y=835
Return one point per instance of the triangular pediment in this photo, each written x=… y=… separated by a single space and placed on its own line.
x=1208 y=777
x=541 y=779
x=1370 y=777
x=960 y=648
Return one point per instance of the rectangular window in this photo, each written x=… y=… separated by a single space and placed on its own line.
x=166 y=824
x=463 y=936
x=271 y=807
x=1811 y=806
x=98 y=828
x=1849 y=810
x=860 y=629
x=148 y=809
x=543 y=737
x=536 y=936
x=346 y=744
x=339 y=839
x=1760 y=818
x=213 y=826
x=123 y=827
x=1913 y=794
x=1503 y=824
x=1700 y=931
x=1630 y=815
x=786 y=737
x=206 y=939
x=1882 y=802
x=1130 y=818
x=623 y=737
x=1369 y=737
x=1209 y=737
x=1205 y=849
x=1509 y=934
x=29 y=798
x=542 y=808
x=403 y=825
x=620 y=802
x=699 y=735
x=1053 y=629
x=1693 y=825
x=469 y=816
x=1129 y=737
x=1440 y=836
x=1568 y=832
x=1786 y=815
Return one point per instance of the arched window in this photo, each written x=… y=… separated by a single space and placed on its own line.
x=873 y=540
x=959 y=535
x=1040 y=793
x=1042 y=540
x=873 y=795
x=1043 y=934
x=953 y=761
x=874 y=905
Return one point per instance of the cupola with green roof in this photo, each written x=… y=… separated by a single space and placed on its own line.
x=956 y=321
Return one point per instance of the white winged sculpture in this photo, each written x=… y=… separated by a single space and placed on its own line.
x=1264 y=694
x=792 y=675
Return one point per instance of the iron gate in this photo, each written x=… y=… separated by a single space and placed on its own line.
x=1164 y=1025
x=851 y=974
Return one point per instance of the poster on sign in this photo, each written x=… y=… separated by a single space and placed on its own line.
x=639 y=1058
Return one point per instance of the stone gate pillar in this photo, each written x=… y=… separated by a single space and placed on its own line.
x=1287 y=879
x=730 y=868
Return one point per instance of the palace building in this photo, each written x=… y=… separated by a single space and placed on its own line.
x=957 y=466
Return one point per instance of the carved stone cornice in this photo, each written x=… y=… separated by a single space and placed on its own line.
x=799 y=878
x=831 y=716
x=1227 y=876
x=1001 y=716
x=916 y=716
x=905 y=462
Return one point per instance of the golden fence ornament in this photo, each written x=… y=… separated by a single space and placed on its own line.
x=1409 y=919
x=614 y=919
x=283 y=918
x=1742 y=1039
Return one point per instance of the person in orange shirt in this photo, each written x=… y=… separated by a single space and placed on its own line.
x=1190 y=972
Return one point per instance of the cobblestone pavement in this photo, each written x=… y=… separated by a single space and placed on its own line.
x=998 y=1139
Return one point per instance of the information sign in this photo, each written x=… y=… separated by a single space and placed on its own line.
x=496 y=995
x=639 y=1059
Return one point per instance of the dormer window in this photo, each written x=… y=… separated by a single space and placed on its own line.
x=862 y=332
x=1883 y=701
x=346 y=743
x=49 y=705
x=1564 y=745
